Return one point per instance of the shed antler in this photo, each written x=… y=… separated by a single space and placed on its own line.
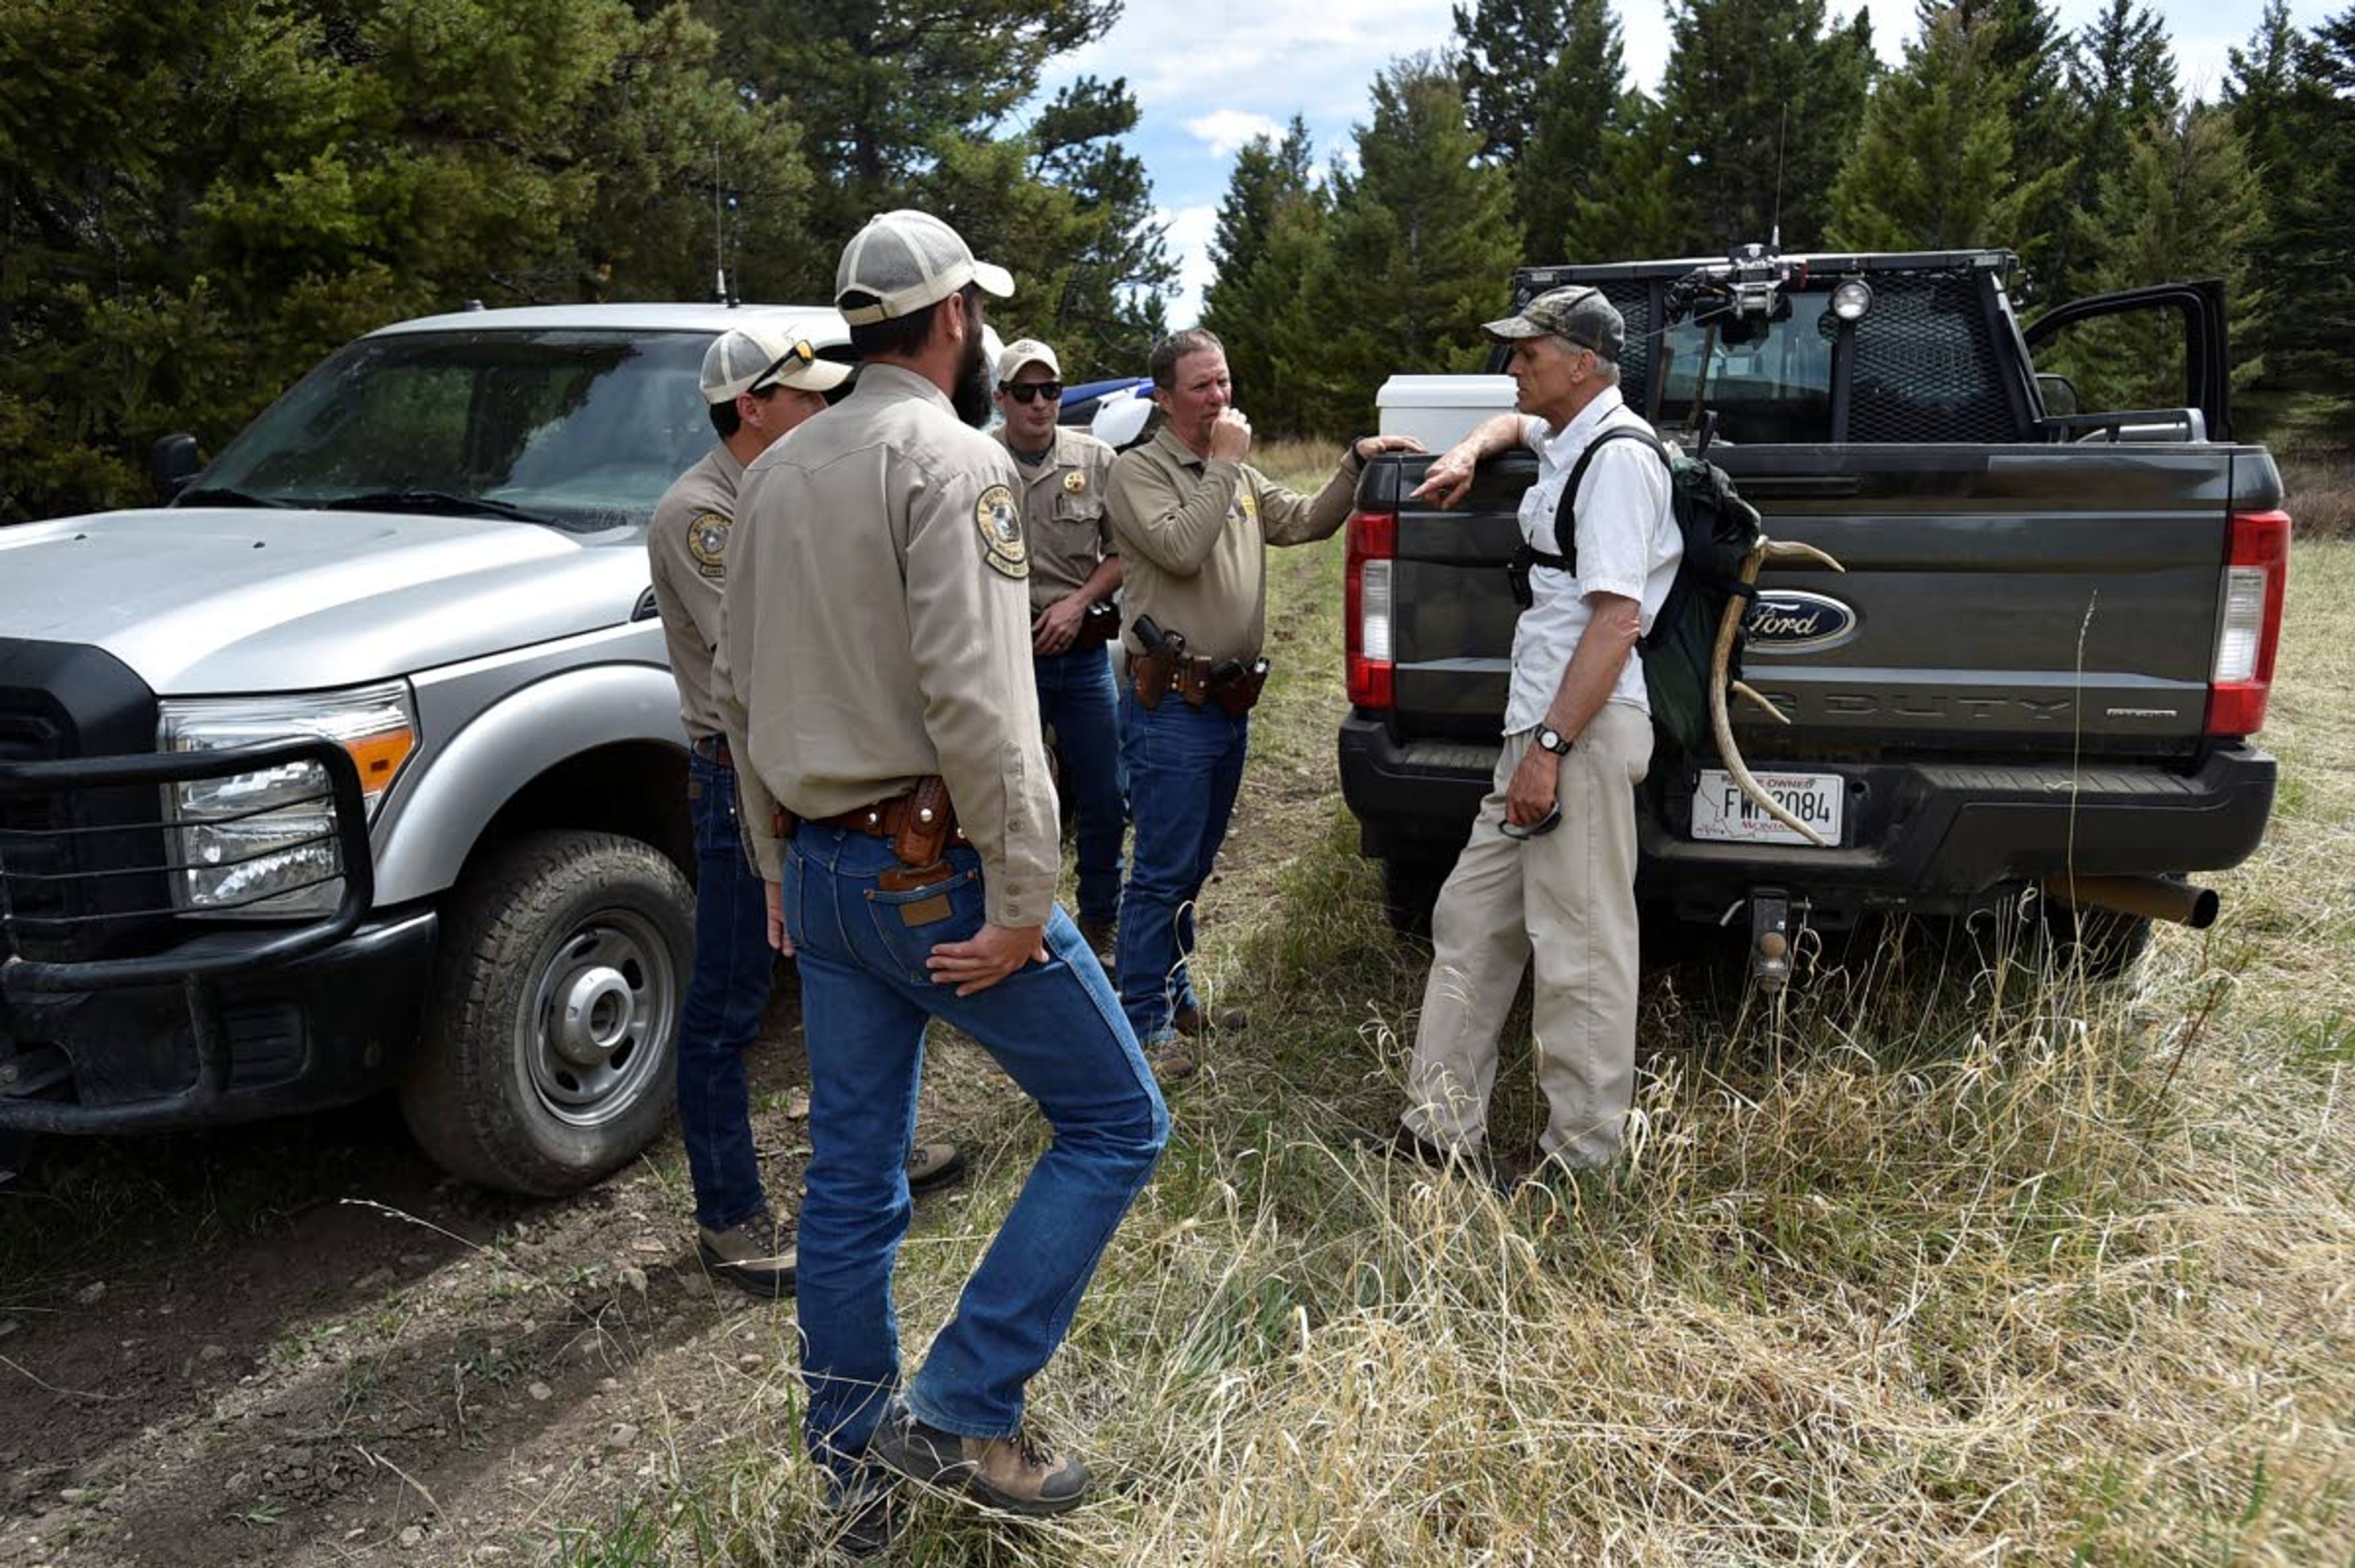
x=1729 y=625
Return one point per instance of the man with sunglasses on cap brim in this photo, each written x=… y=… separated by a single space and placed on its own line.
x=1550 y=869
x=757 y=385
x=1075 y=569
x=1194 y=522
x=879 y=620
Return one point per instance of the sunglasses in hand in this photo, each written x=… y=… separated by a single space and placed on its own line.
x=1537 y=829
x=1031 y=391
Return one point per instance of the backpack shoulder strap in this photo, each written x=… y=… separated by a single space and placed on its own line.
x=1565 y=512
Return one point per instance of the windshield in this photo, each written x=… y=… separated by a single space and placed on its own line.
x=1768 y=382
x=583 y=430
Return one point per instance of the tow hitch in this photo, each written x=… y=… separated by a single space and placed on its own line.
x=1770 y=938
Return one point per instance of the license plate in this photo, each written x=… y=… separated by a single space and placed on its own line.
x=1722 y=813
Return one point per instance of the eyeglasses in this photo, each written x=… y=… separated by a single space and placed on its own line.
x=801 y=354
x=1031 y=391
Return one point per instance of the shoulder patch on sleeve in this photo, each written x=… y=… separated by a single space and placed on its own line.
x=706 y=541
x=999 y=522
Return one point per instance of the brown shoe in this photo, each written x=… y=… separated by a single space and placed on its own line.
x=1172 y=1061
x=1193 y=1023
x=755 y=1255
x=933 y=1164
x=1103 y=937
x=1018 y=1474
x=1406 y=1144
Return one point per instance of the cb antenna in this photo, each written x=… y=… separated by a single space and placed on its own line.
x=720 y=231
x=1782 y=136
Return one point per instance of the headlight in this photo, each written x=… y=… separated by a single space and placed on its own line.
x=1851 y=299
x=253 y=841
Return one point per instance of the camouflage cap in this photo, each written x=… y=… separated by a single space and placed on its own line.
x=1577 y=314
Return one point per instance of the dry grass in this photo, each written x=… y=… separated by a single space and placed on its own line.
x=2321 y=491
x=1935 y=1264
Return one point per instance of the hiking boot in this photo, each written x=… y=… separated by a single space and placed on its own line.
x=864 y=1515
x=755 y=1255
x=1406 y=1144
x=1018 y=1474
x=933 y=1164
x=1103 y=937
x=1172 y=1060
x=1193 y=1023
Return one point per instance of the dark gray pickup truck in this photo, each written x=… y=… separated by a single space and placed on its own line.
x=2041 y=670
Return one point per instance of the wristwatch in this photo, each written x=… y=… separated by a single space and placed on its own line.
x=1552 y=740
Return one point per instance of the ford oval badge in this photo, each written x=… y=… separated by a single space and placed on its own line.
x=1790 y=621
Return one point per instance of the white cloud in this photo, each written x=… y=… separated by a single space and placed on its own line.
x=1190 y=232
x=1230 y=130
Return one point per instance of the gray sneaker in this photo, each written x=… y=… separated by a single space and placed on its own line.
x=756 y=1255
x=933 y=1164
x=1018 y=1474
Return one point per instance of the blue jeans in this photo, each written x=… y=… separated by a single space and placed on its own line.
x=1075 y=697
x=1056 y=1030
x=1184 y=765
x=734 y=962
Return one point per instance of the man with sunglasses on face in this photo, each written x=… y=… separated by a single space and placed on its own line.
x=1075 y=570
x=1550 y=869
x=757 y=385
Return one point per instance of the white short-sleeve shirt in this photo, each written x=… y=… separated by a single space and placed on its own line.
x=1627 y=545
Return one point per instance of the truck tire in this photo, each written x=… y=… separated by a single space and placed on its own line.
x=547 y=1056
x=1411 y=885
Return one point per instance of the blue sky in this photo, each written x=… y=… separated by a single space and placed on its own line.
x=1211 y=74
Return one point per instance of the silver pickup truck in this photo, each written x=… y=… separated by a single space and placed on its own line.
x=358 y=766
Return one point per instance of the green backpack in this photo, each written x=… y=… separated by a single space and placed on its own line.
x=1719 y=529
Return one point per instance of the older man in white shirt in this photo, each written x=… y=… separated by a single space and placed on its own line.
x=1549 y=869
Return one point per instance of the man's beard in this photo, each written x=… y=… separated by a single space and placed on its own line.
x=970 y=397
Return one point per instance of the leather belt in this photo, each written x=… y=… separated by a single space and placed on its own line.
x=889 y=818
x=714 y=749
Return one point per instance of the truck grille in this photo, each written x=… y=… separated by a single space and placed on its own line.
x=77 y=878
x=26 y=846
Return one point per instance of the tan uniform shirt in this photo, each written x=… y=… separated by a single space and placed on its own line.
x=688 y=549
x=1193 y=536
x=878 y=628
x=1063 y=516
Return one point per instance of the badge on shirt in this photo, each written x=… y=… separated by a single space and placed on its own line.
x=707 y=541
x=1075 y=482
x=1000 y=523
x=1246 y=507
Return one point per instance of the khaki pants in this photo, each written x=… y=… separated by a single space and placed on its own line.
x=1570 y=899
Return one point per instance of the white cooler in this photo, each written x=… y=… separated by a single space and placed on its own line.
x=1440 y=410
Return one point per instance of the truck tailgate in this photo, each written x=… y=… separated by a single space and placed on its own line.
x=2028 y=600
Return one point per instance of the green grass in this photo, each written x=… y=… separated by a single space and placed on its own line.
x=1924 y=1263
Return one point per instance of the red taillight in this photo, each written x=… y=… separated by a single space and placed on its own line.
x=1373 y=545
x=2248 y=627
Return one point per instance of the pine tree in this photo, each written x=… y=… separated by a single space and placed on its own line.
x=2122 y=77
x=1107 y=312
x=1271 y=237
x=1504 y=49
x=1934 y=170
x=1423 y=248
x=1763 y=104
x=203 y=198
x=2311 y=242
x=1637 y=208
x=2261 y=92
x=2183 y=203
x=1577 y=119
x=2032 y=52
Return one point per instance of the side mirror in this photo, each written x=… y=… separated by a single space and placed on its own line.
x=172 y=465
x=2059 y=395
